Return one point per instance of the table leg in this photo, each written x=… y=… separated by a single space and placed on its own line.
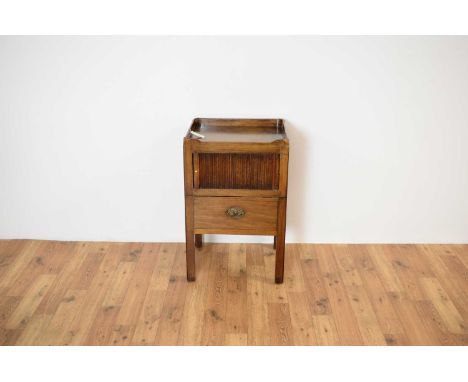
x=198 y=240
x=280 y=241
x=189 y=239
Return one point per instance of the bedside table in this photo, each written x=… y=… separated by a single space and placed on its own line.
x=236 y=180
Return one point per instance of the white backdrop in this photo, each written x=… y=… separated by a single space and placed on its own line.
x=91 y=132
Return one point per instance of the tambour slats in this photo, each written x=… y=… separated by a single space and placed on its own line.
x=259 y=171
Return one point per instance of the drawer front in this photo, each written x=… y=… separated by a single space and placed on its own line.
x=238 y=213
x=252 y=171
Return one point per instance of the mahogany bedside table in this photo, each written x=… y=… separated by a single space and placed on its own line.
x=236 y=180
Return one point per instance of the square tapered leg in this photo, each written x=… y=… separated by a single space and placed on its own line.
x=198 y=241
x=189 y=239
x=280 y=241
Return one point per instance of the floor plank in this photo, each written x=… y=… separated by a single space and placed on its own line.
x=172 y=311
x=31 y=300
x=325 y=330
x=214 y=325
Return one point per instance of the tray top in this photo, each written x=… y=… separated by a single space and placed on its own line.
x=237 y=130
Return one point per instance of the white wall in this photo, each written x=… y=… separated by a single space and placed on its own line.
x=91 y=132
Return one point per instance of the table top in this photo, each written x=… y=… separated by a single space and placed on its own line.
x=237 y=130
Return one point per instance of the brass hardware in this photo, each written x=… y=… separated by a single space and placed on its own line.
x=235 y=212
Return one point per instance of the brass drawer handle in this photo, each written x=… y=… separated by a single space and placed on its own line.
x=235 y=212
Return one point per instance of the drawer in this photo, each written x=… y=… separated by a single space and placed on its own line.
x=220 y=214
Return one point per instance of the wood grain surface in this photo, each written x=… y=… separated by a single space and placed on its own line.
x=90 y=293
x=253 y=171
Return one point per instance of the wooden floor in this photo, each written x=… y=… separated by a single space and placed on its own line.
x=63 y=293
